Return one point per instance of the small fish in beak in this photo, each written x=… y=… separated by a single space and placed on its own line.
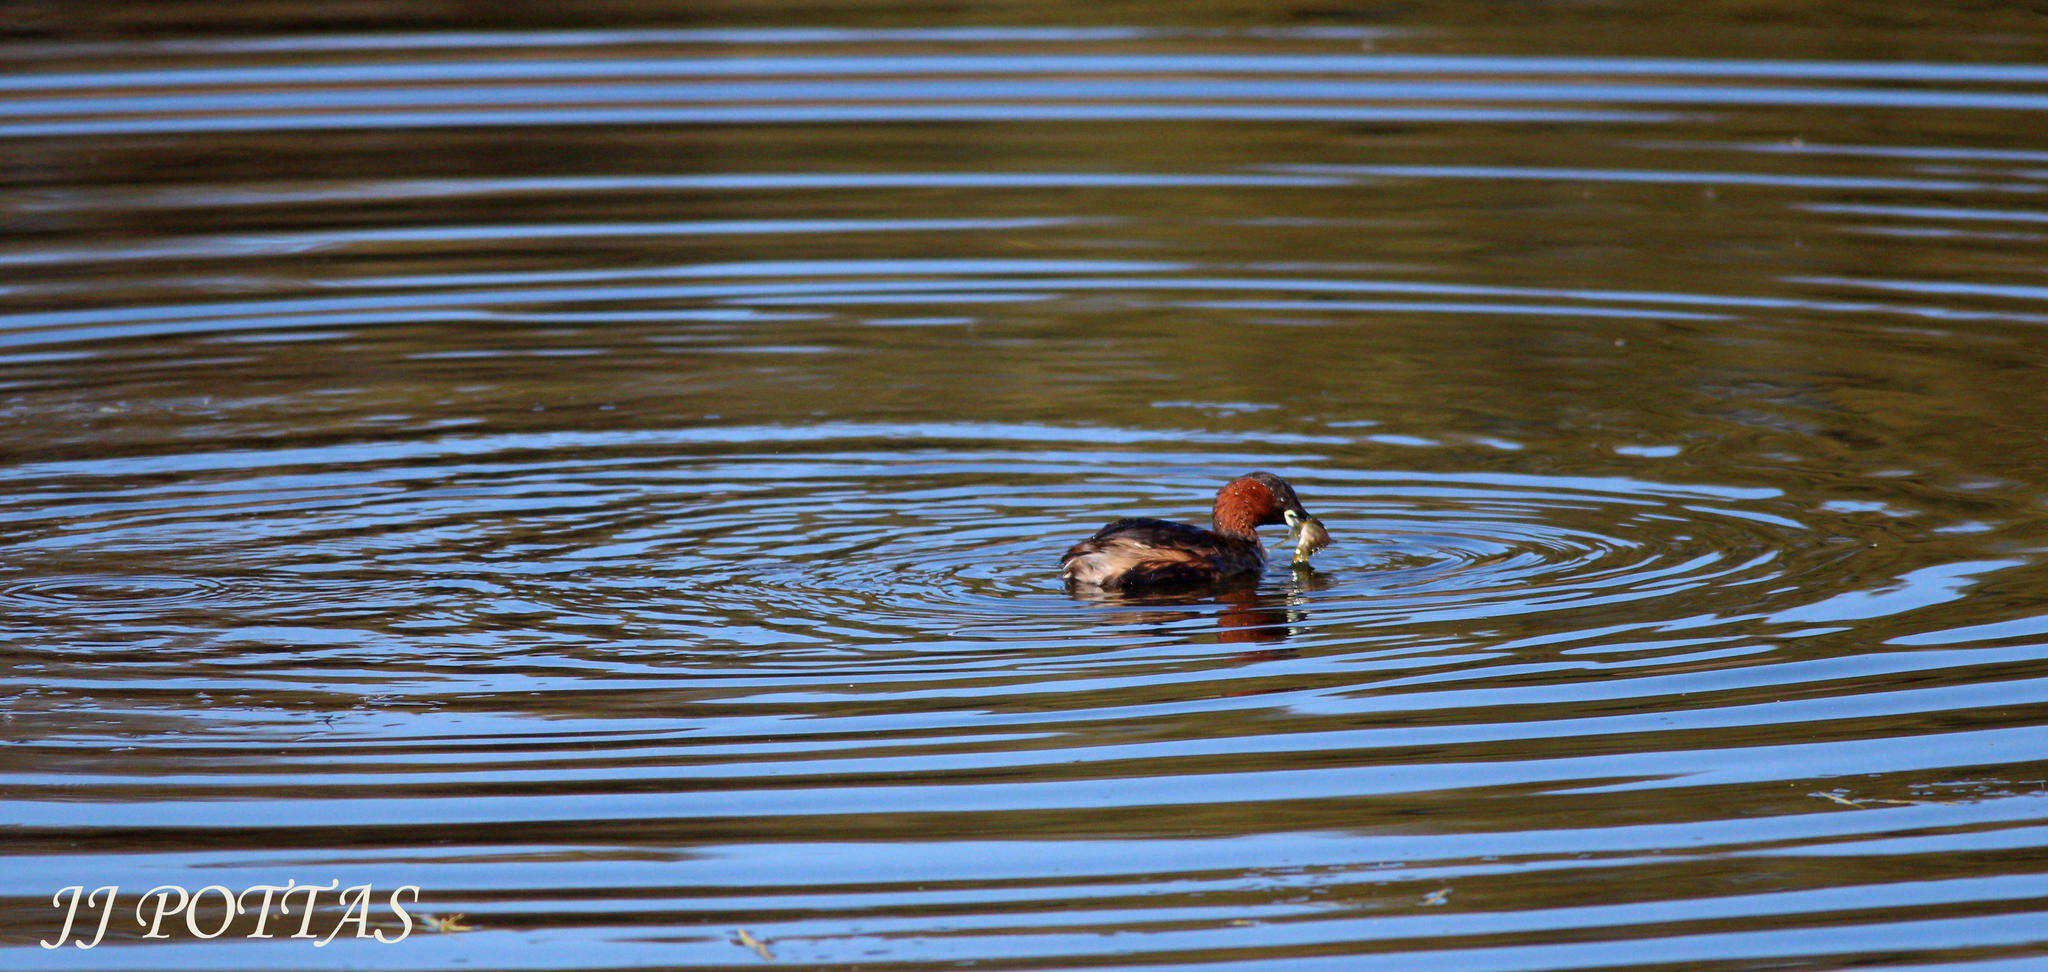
x=1308 y=535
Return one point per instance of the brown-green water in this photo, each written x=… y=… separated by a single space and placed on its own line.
x=610 y=473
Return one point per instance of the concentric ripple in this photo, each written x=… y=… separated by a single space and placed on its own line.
x=803 y=535
x=615 y=480
x=107 y=591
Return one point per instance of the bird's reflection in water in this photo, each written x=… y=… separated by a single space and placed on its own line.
x=1251 y=615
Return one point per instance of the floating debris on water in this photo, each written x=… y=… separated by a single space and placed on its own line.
x=448 y=923
x=747 y=939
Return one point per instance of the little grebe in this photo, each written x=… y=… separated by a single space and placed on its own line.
x=1142 y=552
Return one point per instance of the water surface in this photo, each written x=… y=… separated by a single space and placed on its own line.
x=613 y=479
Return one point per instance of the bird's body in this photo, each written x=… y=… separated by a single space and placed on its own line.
x=1141 y=552
x=1144 y=552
